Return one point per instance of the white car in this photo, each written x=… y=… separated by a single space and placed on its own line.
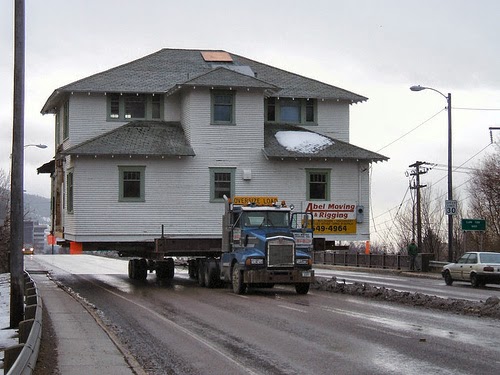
x=477 y=267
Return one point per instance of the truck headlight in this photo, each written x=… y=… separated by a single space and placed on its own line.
x=303 y=261
x=254 y=261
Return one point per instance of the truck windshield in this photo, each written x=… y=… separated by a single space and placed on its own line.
x=266 y=218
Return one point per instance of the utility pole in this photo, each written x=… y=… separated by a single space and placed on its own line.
x=17 y=174
x=417 y=172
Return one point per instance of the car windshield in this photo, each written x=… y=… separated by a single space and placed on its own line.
x=266 y=218
x=490 y=258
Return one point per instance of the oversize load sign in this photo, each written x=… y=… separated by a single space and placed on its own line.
x=258 y=200
x=333 y=217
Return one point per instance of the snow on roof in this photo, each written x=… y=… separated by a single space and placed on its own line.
x=302 y=141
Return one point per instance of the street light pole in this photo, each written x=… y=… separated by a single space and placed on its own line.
x=450 y=181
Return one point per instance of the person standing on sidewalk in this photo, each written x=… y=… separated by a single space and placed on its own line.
x=412 y=253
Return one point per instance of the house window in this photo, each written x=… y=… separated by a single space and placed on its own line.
x=222 y=107
x=156 y=107
x=66 y=120
x=290 y=110
x=221 y=183
x=58 y=129
x=132 y=182
x=135 y=106
x=114 y=106
x=271 y=109
x=298 y=111
x=318 y=184
x=69 y=191
x=124 y=107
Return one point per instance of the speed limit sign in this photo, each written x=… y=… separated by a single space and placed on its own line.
x=450 y=207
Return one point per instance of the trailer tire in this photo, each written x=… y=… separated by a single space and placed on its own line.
x=192 y=270
x=239 y=287
x=302 y=288
x=201 y=272
x=141 y=269
x=165 y=269
x=131 y=269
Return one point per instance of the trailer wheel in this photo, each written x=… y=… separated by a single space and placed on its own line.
x=192 y=270
x=302 y=288
x=239 y=287
x=141 y=269
x=131 y=269
x=201 y=272
x=165 y=269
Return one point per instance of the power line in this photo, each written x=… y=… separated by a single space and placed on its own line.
x=476 y=109
x=412 y=130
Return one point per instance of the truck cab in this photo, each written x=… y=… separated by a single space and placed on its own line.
x=266 y=244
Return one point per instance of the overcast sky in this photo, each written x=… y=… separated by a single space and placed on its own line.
x=377 y=49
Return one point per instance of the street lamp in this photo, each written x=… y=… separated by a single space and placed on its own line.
x=450 y=205
x=38 y=145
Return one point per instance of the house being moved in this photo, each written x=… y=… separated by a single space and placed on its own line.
x=152 y=146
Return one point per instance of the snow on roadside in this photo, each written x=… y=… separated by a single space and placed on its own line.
x=8 y=336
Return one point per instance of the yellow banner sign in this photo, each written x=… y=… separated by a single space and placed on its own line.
x=258 y=200
x=334 y=226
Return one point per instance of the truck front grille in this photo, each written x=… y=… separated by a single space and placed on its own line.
x=280 y=252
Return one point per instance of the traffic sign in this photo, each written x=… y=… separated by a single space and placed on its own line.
x=473 y=224
x=450 y=207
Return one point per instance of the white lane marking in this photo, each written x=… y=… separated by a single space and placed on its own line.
x=293 y=309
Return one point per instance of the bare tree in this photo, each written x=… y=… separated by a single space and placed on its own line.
x=4 y=221
x=484 y=201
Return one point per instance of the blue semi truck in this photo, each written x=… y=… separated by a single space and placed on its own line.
x=263 y=243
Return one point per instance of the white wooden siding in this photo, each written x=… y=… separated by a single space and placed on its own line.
x=177 y=191
x=333 y=119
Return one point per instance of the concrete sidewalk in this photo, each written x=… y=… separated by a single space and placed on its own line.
x=83 y=346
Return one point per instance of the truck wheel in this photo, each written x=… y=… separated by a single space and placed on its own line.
x=239 y=287
x=211 y=273
x=302 y=288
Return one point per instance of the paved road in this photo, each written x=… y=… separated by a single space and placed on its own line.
x=434 y=286
x=184 y=329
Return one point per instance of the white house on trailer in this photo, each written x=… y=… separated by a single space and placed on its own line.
x=156 y=143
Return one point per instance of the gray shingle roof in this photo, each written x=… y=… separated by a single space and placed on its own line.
x=337 y=150
x=162 y=71
x=151 y=138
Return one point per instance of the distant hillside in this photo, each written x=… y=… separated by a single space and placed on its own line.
x=36 y=208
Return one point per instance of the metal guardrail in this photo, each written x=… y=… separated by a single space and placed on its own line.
x=384 y=261
x=21 y=359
